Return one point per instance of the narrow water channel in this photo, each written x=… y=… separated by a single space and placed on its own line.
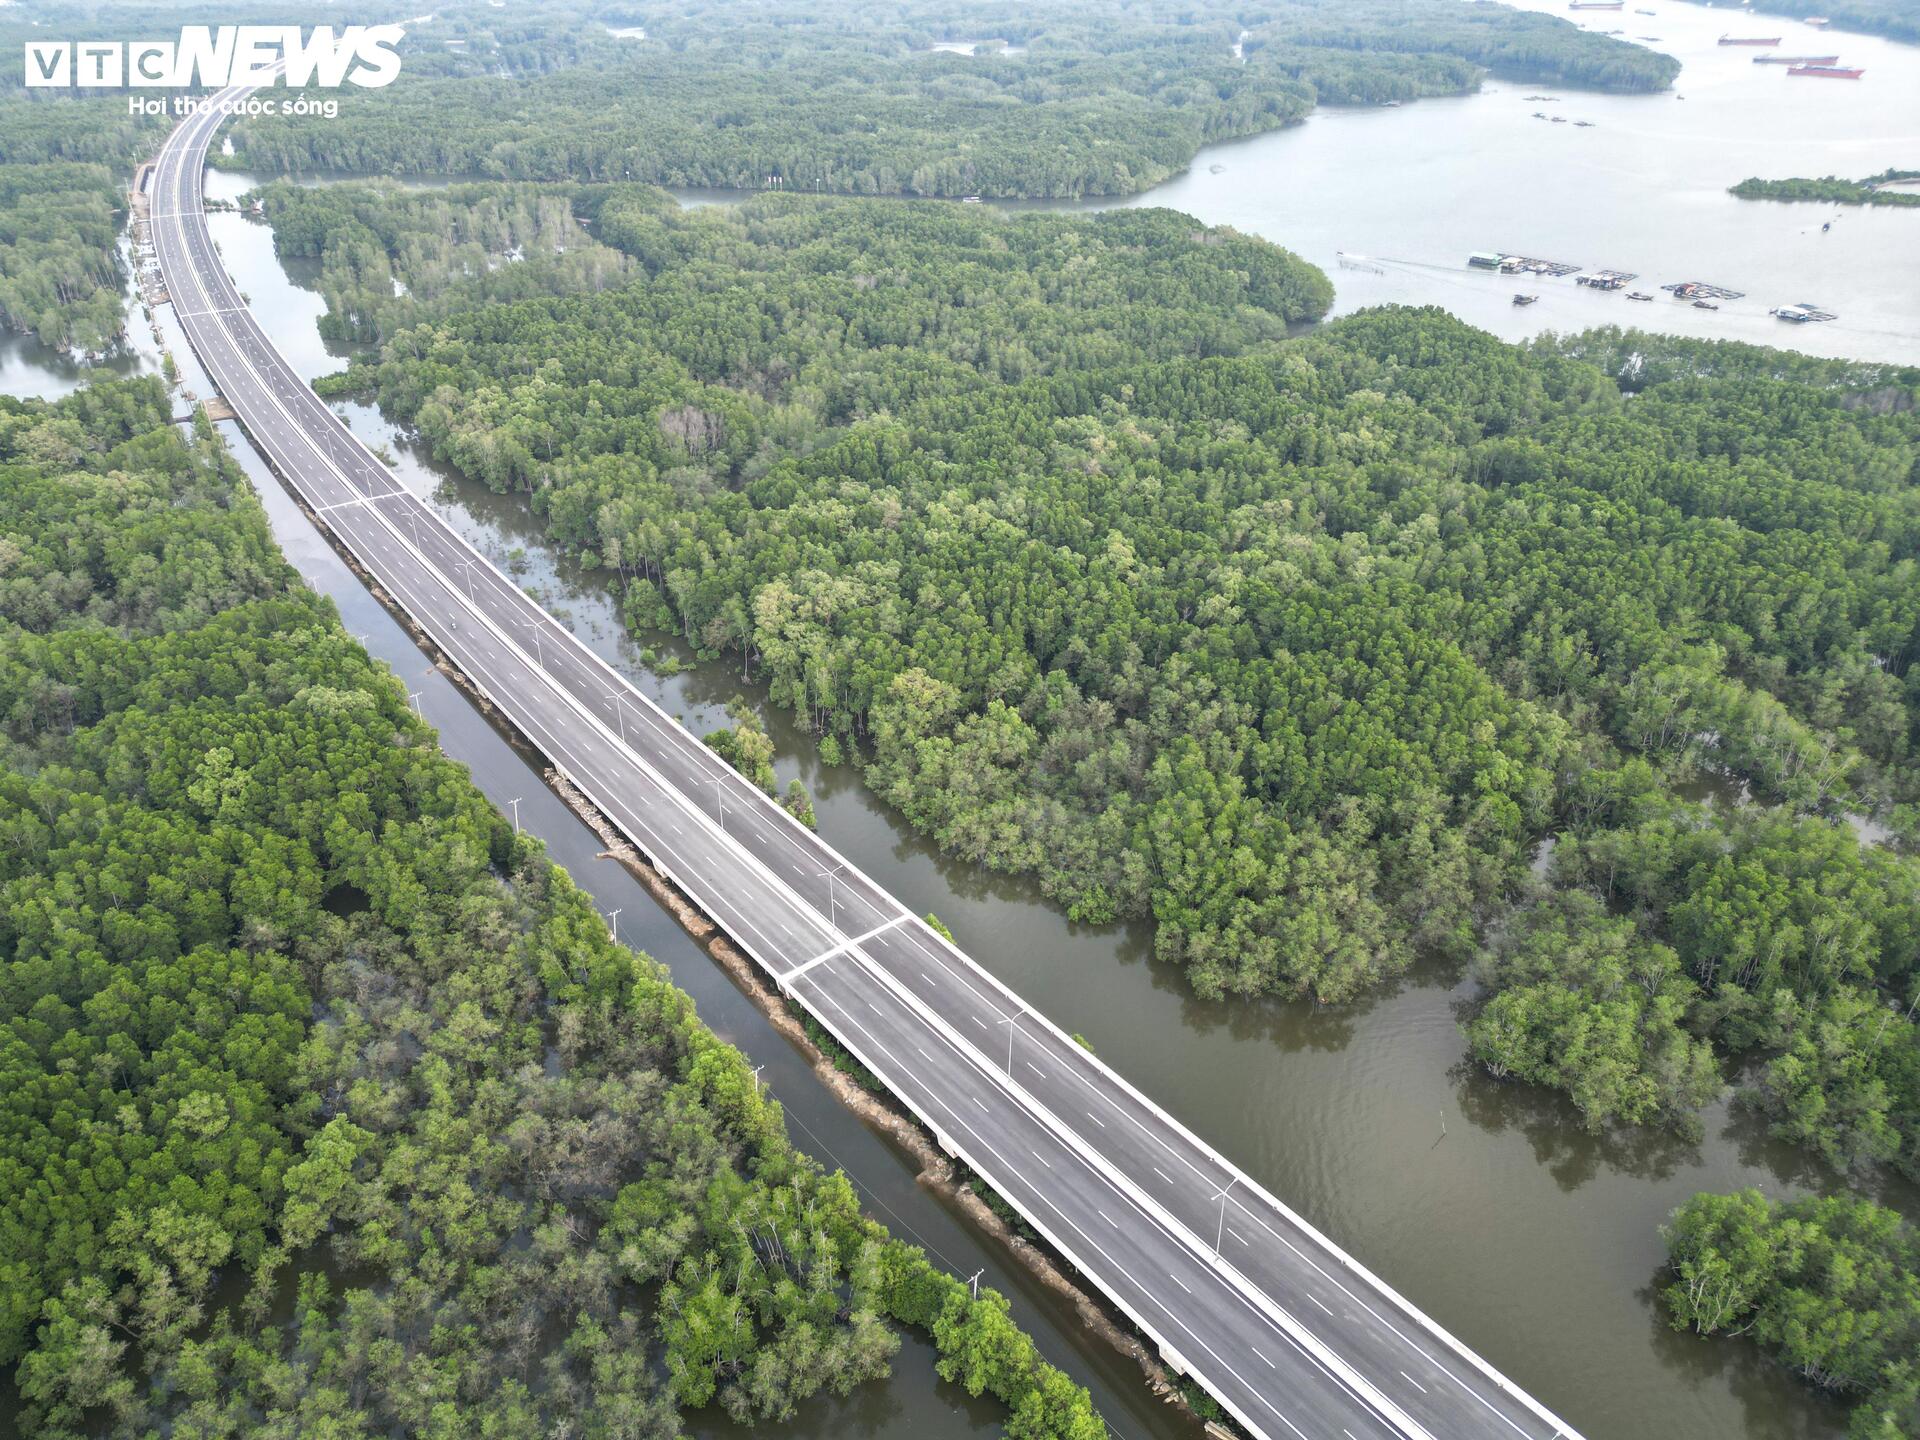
x=1485 y=1203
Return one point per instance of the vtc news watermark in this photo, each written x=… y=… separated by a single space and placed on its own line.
x=219 y=57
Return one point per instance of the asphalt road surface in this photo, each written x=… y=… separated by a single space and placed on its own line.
x=1290 y=1333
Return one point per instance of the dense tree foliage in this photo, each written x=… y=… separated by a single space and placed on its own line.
x=64 y=167
x=1830 y=1285
x=1897 y=19
x=1296 y=646
x=327 y=1105
x=59 y=274
x=1016 y=295
x=66 y=160
x=1833 y=190
x=1518 y=43
x=1091 y=99
x=1804 y=947
x=1583 y=1002
x=1084 y=98
x=496 y=243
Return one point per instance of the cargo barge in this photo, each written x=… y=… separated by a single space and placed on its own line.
x=1828 y=72
x=1598 y=5
x=1796 y=59
x=1749 y=40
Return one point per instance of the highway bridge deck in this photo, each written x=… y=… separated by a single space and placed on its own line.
x=1292 y=1335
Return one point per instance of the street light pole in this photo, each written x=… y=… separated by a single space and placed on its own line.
x=833 y=898
x=539 y=649
x=1221 y=1232
x=1012 y=1022
x=515 y=803
x=613 y=925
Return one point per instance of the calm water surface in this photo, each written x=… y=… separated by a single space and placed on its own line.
x=1416 y=189
x=1390 y=202
x=1487 y=1204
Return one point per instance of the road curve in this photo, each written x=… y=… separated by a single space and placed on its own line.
x=1292 y=1335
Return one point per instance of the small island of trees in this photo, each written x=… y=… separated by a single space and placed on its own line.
x=1833 y=190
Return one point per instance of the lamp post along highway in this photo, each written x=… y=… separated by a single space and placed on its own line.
x=1220 y=1232
x=1012 y=1022
x=833 y=899
x=539 y=645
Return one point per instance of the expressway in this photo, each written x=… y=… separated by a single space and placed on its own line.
x=1292 y=1335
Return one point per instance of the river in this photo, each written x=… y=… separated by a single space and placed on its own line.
x=1390 y=201
x=1485 y=1203
x=1416 y=189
